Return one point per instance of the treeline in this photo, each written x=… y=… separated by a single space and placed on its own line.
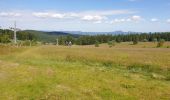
x=7 y=36
x=92 y=39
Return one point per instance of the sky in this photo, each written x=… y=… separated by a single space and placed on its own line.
x=87 y=15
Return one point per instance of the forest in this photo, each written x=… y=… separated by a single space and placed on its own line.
x=6 y=36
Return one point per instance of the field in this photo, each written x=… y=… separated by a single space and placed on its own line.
x=49 y=72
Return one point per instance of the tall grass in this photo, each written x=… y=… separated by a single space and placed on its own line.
x=125 y=72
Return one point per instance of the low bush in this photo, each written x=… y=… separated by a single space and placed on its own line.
x=135 y=42
x=145 y=40
x=107 y=64
x=111 y=43
x=139 y=68
x=97 y=44
x=161 y=43
x=128 y=86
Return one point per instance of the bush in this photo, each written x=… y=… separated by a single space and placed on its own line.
x=96 y=44
x=118 y=40
x=127 y=86
x=168 y=78
x=155 y=40
x=135 y=42
x=5 y=39
x=108 y=64
x=145 y=40
x=141 y=68
x=26 y=43
x=34 y=43
x=111 y=43
x=161 y=43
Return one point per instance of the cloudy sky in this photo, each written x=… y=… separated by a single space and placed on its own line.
x=87 y=15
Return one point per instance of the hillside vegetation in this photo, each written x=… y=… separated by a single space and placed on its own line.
x=49 y=72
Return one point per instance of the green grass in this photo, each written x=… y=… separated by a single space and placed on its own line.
x=124 y=72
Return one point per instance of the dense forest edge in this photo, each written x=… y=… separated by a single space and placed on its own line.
x=6 y=36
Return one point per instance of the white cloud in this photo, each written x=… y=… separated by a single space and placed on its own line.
x=83 y=13
x=107 y=12
x=154 y=20
x=59 y=16
x=78 y=16
x=168 y=21
x=9 y=14
x=49 y=15
x=130 y=19
x=72 y=15
x=136 y=18
x=41 y=15
x=90 y=16
x=93 y=18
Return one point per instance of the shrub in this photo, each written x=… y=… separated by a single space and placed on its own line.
x=161 y=43
x=108 y=64
x=135 y=42
x=111 y=43
x=141 y=68
x=145 y=40
x=5 y=39
x=28 y=43
x=96 y=44
x=34 y=43
x=127 y=86
x=167 y=78
x=155 y=40
x=118 y=40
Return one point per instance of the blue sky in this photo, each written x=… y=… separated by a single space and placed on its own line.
x=87 y=15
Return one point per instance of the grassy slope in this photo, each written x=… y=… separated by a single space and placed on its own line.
x=84 y=72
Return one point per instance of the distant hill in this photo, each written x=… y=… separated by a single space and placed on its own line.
x=59 y=33
x=50 y=36
x=95 y=33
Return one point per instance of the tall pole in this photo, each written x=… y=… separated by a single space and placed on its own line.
x=15 y=36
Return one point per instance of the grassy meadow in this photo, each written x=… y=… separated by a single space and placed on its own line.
x=49 y=72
